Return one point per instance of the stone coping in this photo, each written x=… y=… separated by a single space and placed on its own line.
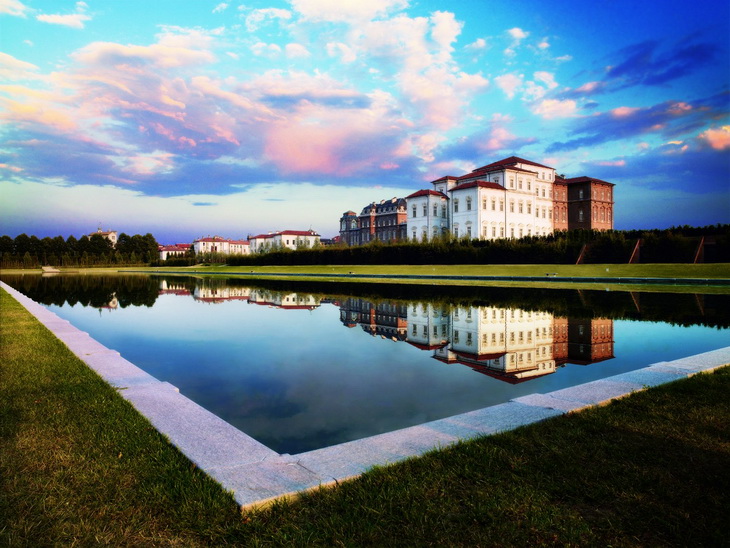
x=257 y=475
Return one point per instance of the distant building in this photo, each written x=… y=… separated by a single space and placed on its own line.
x=511 y=198
x=384 y=221
x=175 y=250
x=218 y=244
x=286 y=239
x=110 y=235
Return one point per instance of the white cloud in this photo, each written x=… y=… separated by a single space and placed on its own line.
x=262 y=49
x=15 y=69
x=75 y=20
x=296 y=51
x=220 y=8
x=554 y=108
x=347 y=11
x=445 y=29
x=517 y=33
x=509 y=83
x=546 y=78
x=480 y=44
x=345 y=52
x=14 y=7
x=259 y=16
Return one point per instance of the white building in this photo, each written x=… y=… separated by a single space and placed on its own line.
x=218 y=244
x=175 y=250
x=511 y=198
x=286 y=239
x=110 y=235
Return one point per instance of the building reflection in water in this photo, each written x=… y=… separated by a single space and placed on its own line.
x=509 y=344
x=512 y=345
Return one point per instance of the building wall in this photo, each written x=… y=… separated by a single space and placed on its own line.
x=529 y=200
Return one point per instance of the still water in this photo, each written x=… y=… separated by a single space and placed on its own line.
x=298 y=368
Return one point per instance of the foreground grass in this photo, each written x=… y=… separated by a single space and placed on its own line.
x=78 y=465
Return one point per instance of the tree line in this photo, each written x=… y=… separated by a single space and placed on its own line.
x=674 y=245
x=25 y=251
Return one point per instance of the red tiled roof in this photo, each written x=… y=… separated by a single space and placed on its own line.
x=299 y=233
x=427 y=192
x=480 y=184
x=287 y=233
x=444 y=178
x=422 y=346
x=585 y=179
x=511 y=161
x=239 y=242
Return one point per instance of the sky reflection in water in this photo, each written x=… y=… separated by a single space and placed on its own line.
x=300 y=371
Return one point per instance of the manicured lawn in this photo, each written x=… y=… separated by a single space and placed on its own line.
x=717 y=270
x=320 y=273
x=79 y=466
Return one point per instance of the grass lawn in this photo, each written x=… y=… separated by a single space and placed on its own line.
x=320 y=272
x=79 y=466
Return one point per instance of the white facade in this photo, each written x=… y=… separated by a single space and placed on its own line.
x=428 y=215
x=217 y=244
x=512 y=198
x=512 y=342
x=289 y=239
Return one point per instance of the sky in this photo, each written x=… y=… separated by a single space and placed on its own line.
x=194 y=118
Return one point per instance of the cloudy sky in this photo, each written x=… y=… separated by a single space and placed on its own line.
x=189 y=118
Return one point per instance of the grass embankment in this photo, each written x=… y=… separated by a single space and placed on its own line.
x=79 y=465
x=320 y=273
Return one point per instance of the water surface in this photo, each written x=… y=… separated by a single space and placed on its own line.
x=298 y=368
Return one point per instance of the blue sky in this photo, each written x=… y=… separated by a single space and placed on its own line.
x=193 y=118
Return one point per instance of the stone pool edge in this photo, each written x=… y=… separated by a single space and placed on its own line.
x=256 y=475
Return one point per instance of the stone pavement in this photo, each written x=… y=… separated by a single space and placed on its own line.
x=256 y=474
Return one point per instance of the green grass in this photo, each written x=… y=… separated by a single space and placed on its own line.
x=715 y=270
x=79 y=466
x=320 y=272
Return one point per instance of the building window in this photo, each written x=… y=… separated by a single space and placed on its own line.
x=443 y=211
x=494 y=204
x=543 y=192
x=529 y=208
x=511 y=232
x=501 y=205
x=580 y=194
x=484 y=203
x=529 y=184
x=511 y=182
x=414 y=211
x=456 y=206
x=519 y=183
x=494 y=232
x=468 y=203
x=511 y=206
x=580 y=215
x=435 y=210
x=519 y=207
x=425 y=209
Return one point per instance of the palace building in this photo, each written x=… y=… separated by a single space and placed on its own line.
x=511 y=198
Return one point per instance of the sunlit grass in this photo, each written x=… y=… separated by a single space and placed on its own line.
x=79 y=466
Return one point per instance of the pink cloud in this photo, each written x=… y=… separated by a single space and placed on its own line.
x=717 y=138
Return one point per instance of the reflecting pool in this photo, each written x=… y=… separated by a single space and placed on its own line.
x=299 y=367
